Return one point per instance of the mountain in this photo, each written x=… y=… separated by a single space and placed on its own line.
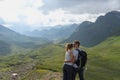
x=12 y=36
x=55 y=33
x=91 y=34
x=9 y=39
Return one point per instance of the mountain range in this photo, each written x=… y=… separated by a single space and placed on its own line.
x=9 y=38
x=93 y=33
x=89 y=34
x=58 y=32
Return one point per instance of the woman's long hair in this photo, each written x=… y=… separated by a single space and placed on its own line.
x=68 y=46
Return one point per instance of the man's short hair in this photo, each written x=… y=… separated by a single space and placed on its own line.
x=77 y=42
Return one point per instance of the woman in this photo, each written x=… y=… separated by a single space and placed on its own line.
x=68 y=63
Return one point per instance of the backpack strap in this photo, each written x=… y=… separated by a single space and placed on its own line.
x=79 y=57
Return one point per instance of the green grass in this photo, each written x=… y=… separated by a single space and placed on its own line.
x=50 y=57
x=35 y=74
x=103 y=60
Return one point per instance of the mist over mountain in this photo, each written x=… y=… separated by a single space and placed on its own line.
x=55 y=33
x=91 y=34
x=9 y=38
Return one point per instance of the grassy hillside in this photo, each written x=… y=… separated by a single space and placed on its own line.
x=103 y=62
x=12 y=42
x=34 y=64
x=50 y=57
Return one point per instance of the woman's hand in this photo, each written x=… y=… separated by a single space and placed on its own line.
x=67 y=61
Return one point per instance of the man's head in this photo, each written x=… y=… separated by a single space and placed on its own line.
x=76 y=44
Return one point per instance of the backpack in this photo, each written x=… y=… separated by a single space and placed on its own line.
x=82 y=58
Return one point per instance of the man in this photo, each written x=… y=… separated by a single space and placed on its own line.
x=80 y=61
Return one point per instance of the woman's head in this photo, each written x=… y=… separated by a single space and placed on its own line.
x=68 y=46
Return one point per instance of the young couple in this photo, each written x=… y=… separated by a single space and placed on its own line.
x=75 y=60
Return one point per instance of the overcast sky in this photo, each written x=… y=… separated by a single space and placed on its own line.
x=37 y=13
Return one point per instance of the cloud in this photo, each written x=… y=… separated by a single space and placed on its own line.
x=37 y=13
x=56 y=17
x=21 y=12
x=29 y=13
x=83 y=6
x=12 y=9
x=60 y=16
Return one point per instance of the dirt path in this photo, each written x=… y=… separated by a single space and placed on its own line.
x=24 y=68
